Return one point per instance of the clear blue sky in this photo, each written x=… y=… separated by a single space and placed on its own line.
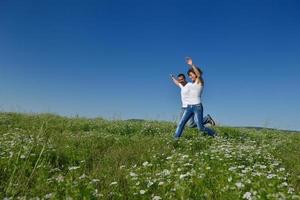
x=113 y=58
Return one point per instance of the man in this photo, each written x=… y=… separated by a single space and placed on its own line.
x=184 y=92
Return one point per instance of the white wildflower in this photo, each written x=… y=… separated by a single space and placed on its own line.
x=239 y=185
x=82 y=176
x=73 y=168
x=284 y=184
x=166 y=172
x=247 y=195
x=59 y=178
x=169 y=158
x=95 y=180
x=232 y=168
x=142 y=191
x=271 y=176
x=182 y=176
x=133 y=174
x=49 y=196
x=281 y=169
x=113 y=183
x=291 y=190
x=150 y=183
x=156 y=198
x=263 y=166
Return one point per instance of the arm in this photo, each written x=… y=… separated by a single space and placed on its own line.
x=189 y=61
x=175 y=80
x=196 y=70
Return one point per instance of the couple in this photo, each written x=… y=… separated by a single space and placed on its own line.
x=192 y=109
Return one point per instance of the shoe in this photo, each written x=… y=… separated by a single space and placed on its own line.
x=211 y=121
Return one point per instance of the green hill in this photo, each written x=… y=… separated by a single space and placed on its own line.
x=51 y=157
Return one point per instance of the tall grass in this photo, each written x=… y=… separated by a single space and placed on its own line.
x=52 y=157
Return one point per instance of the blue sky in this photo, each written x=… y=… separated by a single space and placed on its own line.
x=113 y=58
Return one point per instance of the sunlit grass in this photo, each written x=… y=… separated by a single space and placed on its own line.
x=52 y=157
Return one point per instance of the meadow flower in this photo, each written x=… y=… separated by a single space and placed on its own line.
x=166 y=172
x=95 y=180
x=49 y=196
x=284 y=184
x=182 y=176
x=232 y=168
x=169 y=158
x=142 y=191
x=281 y=169
x=239 y=185
x=59 y=178
x=271 y=176
x=160 y=183
x=145 y=164
x=263 y=166
x=96 y=194
x=188 y=164
x=132 y=174
x=22 y=156
x=248 y=181
x=73 y=168
x=113 y=183
x=150 y=183
x=247 y=195
x=229 y=179
x=291 y=190
x=156 y=198
x=82 y=176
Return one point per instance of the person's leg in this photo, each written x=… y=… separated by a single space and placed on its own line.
x=191 y=122
x=198 y=112
x=206 y=120
x=186 y=115
x=209 y=120
x=180 y=115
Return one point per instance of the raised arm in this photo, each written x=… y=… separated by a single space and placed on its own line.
x=175 y=80
x=189 y=61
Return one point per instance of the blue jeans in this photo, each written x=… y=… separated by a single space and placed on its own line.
x=191 y=122
x=197 y=111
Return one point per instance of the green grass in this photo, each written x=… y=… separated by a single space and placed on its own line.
x=52 y=157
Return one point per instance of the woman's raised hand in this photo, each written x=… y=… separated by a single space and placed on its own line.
x=189 y=61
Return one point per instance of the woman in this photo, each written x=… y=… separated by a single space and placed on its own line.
x=193 y=100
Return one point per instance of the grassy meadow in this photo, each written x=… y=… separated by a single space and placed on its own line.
x=51 y=157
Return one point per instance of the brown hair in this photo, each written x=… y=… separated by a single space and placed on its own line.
x=201 y=73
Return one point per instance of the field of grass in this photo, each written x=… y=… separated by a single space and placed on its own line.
x=51 y=157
